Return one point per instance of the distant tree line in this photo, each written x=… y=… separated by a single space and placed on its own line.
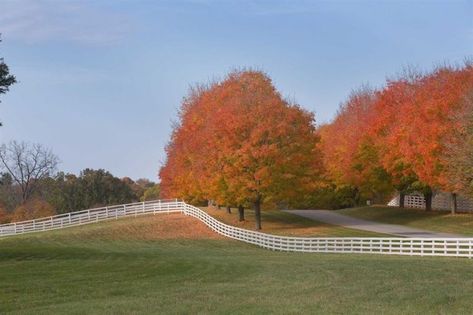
x=30 y=187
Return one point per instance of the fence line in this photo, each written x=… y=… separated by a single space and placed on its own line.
x=454 y=247
x=440 y=201
x=90 y=216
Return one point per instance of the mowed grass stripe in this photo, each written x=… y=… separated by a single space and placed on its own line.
x=81 y=271
x=437 y=221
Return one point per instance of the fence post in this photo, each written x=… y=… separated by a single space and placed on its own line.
x=69 y=218
x=143 y=207
x=15 y=228
x=470 y=249
x=106 y=212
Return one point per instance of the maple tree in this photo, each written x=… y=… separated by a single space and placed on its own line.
x=240 y=143
x=349 y=151
x=388 y=128
x=399 y=136
x=415 y=116
x=180 y=176
x=459 y=154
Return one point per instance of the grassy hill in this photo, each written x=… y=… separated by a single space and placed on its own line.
x=173 y=264
x=438 y=221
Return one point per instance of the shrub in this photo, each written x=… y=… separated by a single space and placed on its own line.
x=5 y=217
x=329 y=197
x=33 y=209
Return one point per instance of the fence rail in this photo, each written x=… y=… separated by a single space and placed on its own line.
x=440 y=201
x=454 y=247
x=90 y=216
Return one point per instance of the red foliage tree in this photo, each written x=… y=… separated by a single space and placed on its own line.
x=239 y=142
x=388 y=129
x=350 y=154
x=414 y=117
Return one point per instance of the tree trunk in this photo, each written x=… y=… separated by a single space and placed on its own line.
x=257 y=206
x=229 y=209
x=241 y=212
x=428 y=201
x=357 y=197
x=402 y=199
x=454 y=203
x=219 y=207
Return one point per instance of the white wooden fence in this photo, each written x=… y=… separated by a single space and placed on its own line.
x=440 y=201
x=455 y=247
x=90 y=216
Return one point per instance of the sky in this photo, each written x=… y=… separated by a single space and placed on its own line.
x=100 y=82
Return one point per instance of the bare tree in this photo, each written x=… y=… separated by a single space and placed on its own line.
x=27 y=164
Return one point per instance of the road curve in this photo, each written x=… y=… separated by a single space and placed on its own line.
x=332 y=217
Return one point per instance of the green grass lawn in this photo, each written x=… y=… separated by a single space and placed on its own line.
x=283 y=223
x=121 y=267
x=440 y=221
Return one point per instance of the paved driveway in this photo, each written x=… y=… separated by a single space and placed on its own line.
x=332 y=217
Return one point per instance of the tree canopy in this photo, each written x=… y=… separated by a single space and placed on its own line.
x=238 y=142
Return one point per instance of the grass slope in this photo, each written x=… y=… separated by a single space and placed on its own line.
x=439 y=221
x=283 y=223
x=95 y=270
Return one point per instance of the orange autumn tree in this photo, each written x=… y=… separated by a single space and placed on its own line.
x=269 y=147
x=387 y=130
x=249 y=145
x=181 y=175
x=433 y=110
x=459 y=153
x=413 y=118
x=349 y=151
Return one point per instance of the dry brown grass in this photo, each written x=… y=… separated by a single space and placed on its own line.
x=150 y=227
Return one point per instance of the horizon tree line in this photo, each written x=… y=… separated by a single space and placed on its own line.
x=31 y=186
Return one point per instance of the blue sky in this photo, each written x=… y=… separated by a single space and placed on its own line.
x=101 y=81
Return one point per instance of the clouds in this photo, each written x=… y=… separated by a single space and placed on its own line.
x=46 y=20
